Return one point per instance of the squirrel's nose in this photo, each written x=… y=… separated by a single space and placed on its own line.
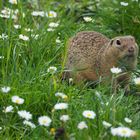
x=131 y=49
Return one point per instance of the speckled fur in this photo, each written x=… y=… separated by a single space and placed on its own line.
x=91 y=55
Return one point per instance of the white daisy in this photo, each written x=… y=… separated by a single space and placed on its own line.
x=60 y=106
x=64 y=118
x=17 y=100
x=53 y=25
x=25 y=115
x=28 y=30
x=23 y=37
x=3 y=36
x=4 y=16
x=9 y=13
x=28 y=123
x=137 y=81
x=51 y=14
x=52 y=69
x=44 y=120
x=16 y=26
x=89 y=114
x=1 y=57
x=62 y=95
x=0 y=128
x=87 y=19
x=124 y=3
x=6 y=11
x=13 y=1
x=58 y=40
x=5 y=89
x=106 y=124
x=38 y=13
x=127 y=120
x=8 y=109
x=123 y=132
x=50 y=29
x=115 y=70
x=82 y=125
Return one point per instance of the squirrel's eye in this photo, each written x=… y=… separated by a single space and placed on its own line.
x=118 y=42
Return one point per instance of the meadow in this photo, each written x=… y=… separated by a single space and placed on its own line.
x=34 y=102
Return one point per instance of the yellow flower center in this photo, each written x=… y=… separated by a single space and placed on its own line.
x=65 y=97
x=124 y=131
x=17 y=101
x=89 y=115
x=50 y=14
x=15 y=1
x=138 y=83
x=44 y=121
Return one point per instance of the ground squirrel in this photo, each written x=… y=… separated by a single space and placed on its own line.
x=91 y=55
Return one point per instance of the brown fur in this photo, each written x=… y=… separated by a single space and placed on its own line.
x=91 y=55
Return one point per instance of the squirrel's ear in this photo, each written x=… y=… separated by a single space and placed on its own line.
x=111 y=42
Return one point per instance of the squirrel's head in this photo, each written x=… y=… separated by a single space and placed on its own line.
x=125 y=47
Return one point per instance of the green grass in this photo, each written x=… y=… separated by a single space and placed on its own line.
x=25 y=64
